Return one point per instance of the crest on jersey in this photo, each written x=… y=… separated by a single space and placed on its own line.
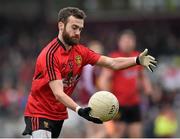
x=78 y=60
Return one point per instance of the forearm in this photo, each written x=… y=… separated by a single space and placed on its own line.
x=67 y=101
x=57 y=89
x=116 y=63
x=122 y=63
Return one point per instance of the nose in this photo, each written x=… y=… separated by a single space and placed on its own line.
x=77 y=32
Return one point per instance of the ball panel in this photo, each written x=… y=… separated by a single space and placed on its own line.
x=104 y=105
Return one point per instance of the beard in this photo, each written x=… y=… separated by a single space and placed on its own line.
x=70 y=40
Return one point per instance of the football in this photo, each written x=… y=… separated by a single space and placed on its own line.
x=104 y=105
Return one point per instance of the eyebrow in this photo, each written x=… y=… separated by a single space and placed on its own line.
x=77 y=26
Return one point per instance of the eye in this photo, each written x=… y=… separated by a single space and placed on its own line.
x=74 y=27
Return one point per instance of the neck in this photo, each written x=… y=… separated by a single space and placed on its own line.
x=68 y=47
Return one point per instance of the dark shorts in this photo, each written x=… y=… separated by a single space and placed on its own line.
x=34 y=123
x=130 y=114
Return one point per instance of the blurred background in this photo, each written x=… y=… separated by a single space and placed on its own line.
x=26 y=26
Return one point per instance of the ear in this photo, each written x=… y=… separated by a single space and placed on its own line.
x=61 y=26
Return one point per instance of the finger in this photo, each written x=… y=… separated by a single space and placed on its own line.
x=153 y=65
x=88 y=118
x=144 y=53
x=96 y=120
x=153 y=61
x=151 y=57
x=149 y=68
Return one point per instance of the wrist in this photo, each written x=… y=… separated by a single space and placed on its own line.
x=77 y=109
x=138 y=61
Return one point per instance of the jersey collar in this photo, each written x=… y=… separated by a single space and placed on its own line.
x=61 y=44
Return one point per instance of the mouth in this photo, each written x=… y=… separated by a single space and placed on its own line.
x=77 y=37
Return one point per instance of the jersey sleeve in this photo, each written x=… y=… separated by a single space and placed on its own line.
x=52 y=68
x=90 y=57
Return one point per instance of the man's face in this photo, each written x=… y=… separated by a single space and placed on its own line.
x=72 y=30
x=126 y=43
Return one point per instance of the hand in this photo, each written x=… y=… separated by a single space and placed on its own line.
x=84 y=112
x=146 y=60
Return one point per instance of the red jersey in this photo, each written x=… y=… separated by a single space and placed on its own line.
x=124 y=82
x=56 y=63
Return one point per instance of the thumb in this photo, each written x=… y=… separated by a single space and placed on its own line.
x=144 y=53
x=87 y=109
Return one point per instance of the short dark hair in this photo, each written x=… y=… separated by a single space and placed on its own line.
x=70 y=11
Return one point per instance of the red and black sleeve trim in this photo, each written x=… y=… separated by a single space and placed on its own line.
x=50 y=61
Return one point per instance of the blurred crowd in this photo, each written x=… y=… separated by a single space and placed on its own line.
x=21 y=41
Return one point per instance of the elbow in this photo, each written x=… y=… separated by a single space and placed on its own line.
x=58 y=97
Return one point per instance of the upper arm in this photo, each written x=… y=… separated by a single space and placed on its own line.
x=89 y=56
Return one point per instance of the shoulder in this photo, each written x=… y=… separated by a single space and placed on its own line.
x=50 y=49
x=80 y=48
x=53 y=43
